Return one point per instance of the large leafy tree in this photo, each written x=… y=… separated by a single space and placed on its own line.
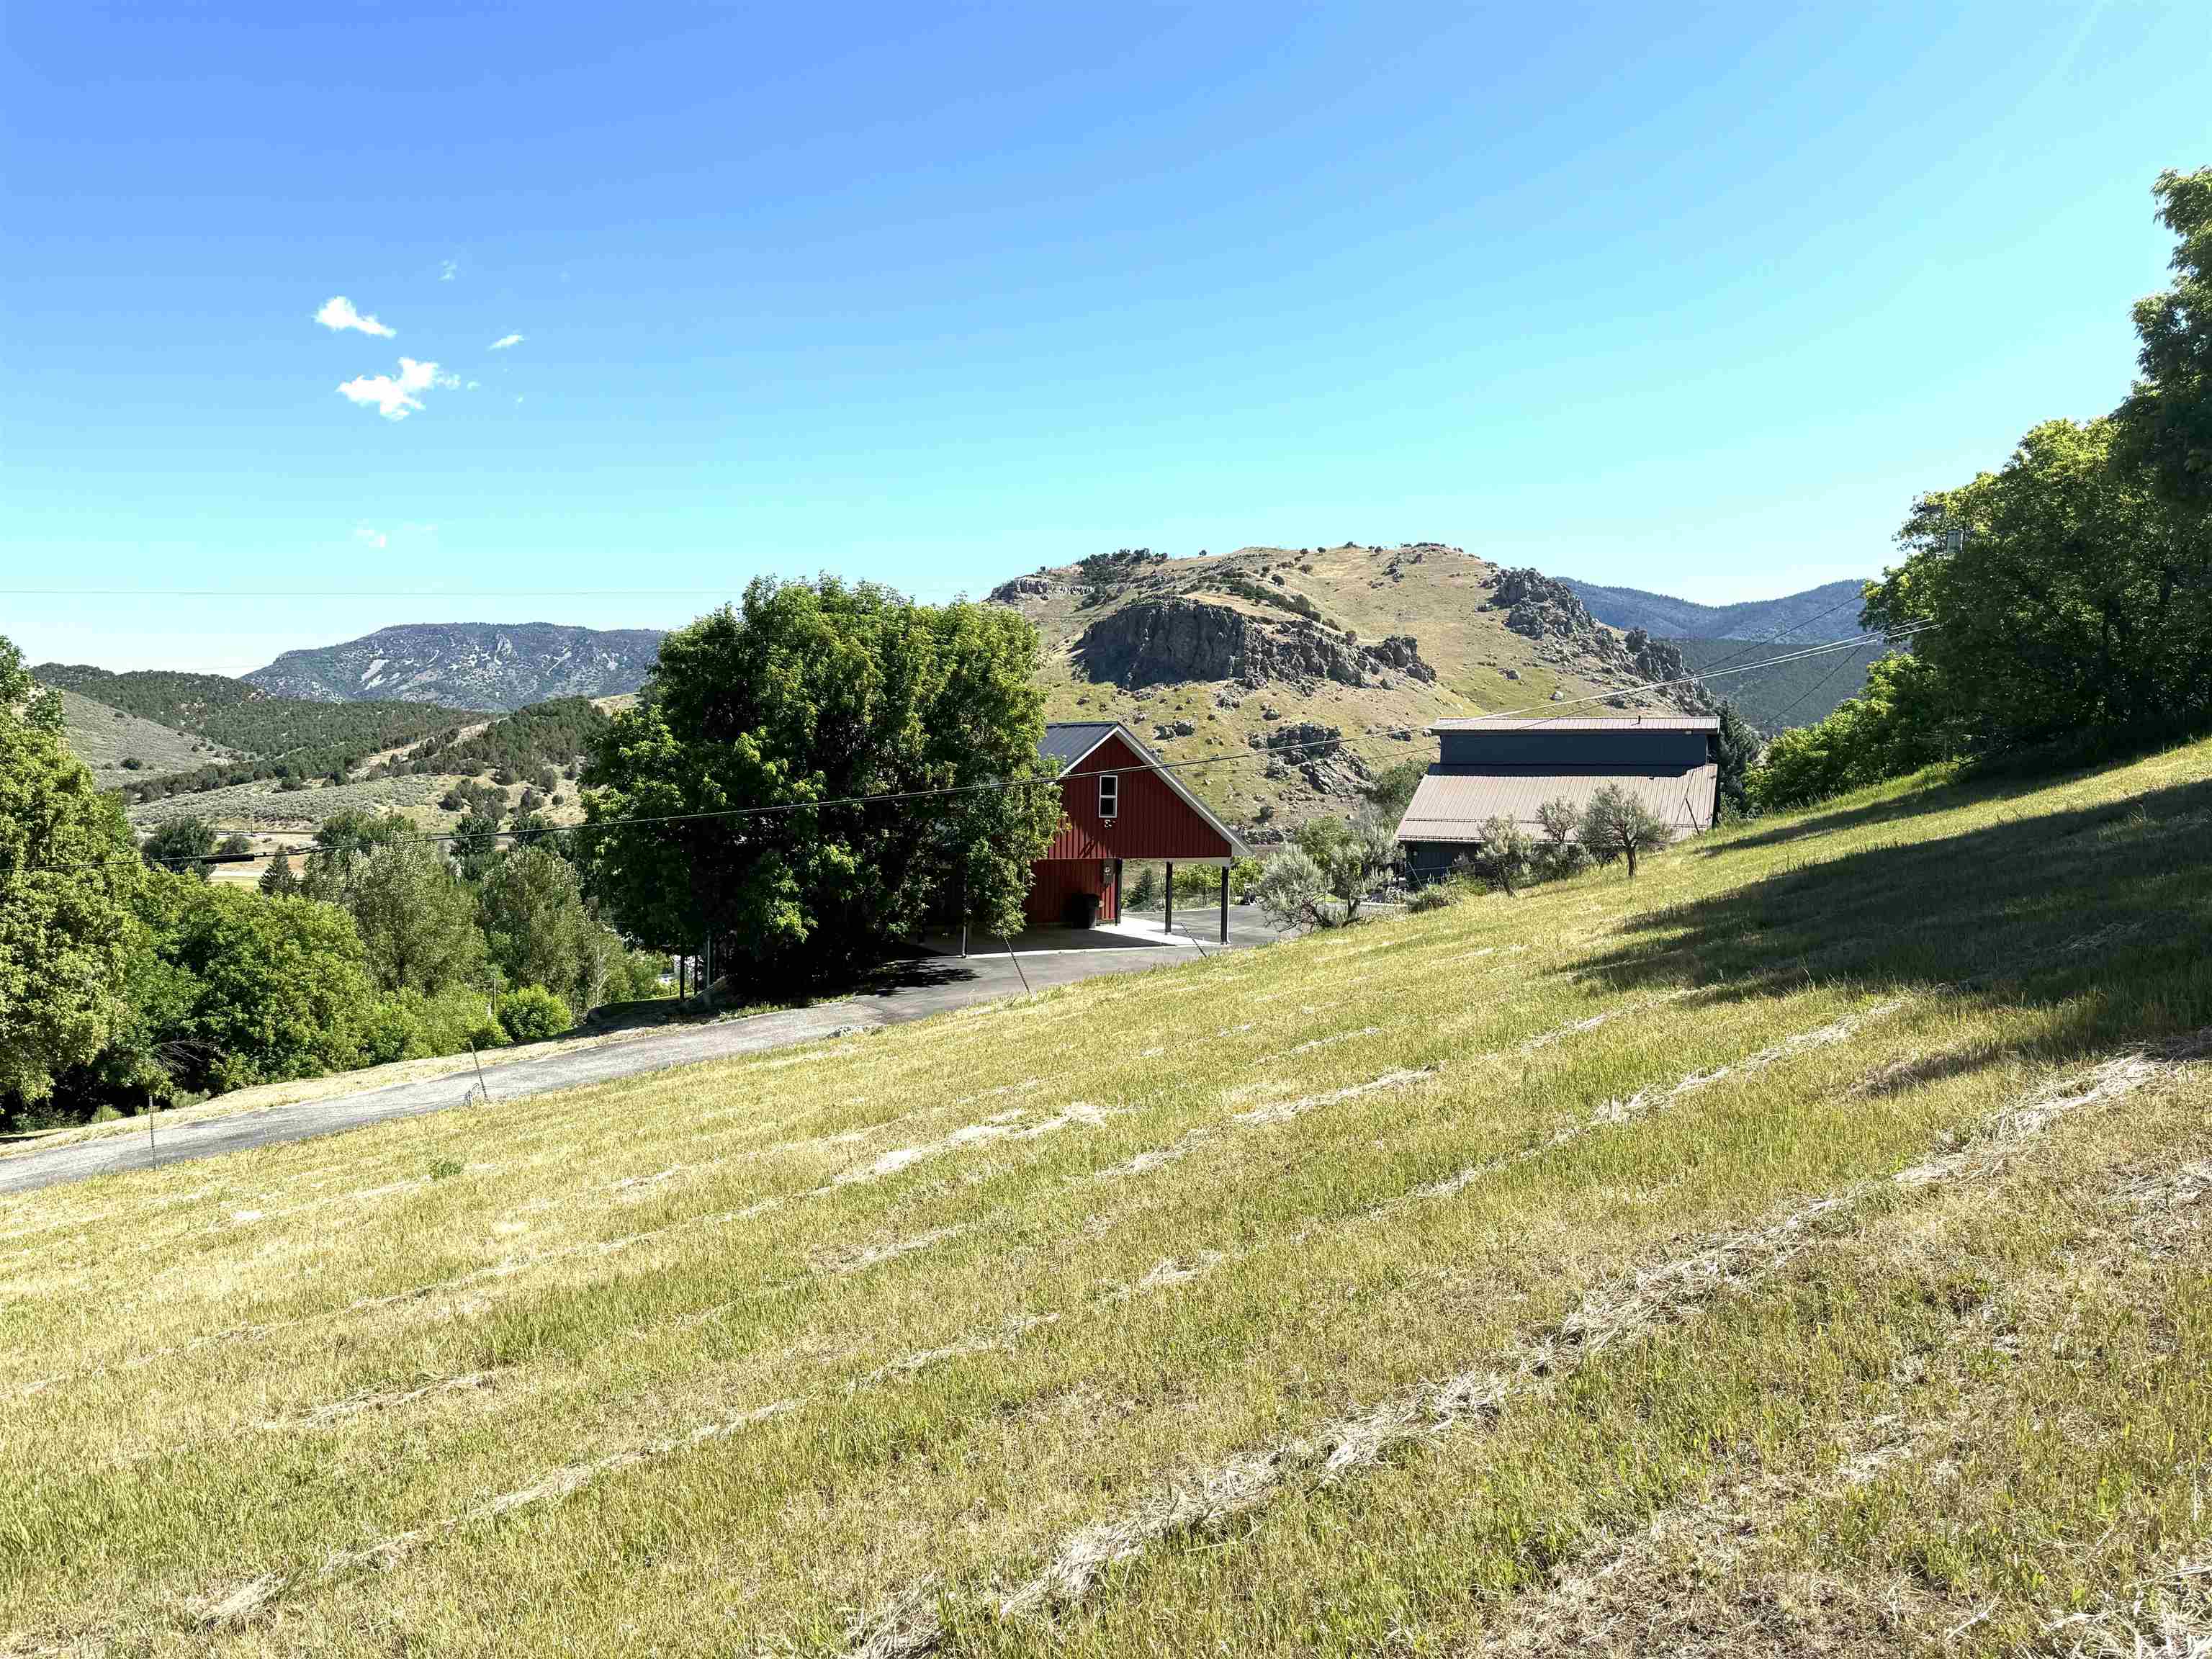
x=68 y=873
x=537 y=925
x=2167 y=420
x=244 y=989
x=802 y=695
x=2071 y=598
x=416 y=919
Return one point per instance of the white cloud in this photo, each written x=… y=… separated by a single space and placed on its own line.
x=473 y=384
x=369 y=536
x=396 y=397
x=505 y=341
x=447 y=269
x=338 y=313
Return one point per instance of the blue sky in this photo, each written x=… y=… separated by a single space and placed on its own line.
x=1692 y=299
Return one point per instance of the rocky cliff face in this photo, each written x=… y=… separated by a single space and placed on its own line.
x=1168 y=640
x=467 y=665
x=1552 y=613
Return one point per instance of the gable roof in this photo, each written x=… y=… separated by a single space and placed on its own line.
x=1069 y=741
x=1073 y=742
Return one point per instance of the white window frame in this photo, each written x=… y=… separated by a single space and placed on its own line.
x=1109 y=796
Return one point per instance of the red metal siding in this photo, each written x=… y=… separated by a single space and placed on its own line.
x=1052 y=881
x=1153 y=822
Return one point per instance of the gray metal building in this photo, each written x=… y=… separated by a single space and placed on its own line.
x=1505 y=766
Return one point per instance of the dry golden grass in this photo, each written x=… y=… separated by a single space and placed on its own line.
x=1795 y=1251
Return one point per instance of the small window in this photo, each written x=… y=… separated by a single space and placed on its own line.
x=1109 y=794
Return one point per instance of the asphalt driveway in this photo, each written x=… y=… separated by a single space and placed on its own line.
x=912 y=988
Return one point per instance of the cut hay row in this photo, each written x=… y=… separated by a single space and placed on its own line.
x=1675 y=1292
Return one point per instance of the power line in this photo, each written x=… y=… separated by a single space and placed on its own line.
x=1546 y=713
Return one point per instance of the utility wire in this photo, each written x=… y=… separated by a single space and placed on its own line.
x=1545 y=714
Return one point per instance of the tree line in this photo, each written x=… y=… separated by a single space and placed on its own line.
x=2070 y=592
x=717 y=818
x=125 y=983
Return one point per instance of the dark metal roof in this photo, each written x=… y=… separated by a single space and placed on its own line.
x=1069 y=741
x=1453 y=802
x=1579 y=723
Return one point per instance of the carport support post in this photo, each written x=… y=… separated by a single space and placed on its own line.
x=1224 y=905
x=1169 y=927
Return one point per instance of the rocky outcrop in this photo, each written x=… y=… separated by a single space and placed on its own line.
x=1020 y=588
x=1552 y=613
x=1402 y=652
x=1165 y=640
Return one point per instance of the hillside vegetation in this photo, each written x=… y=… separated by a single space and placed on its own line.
x=1797 y=1249
x=1830 y=612
x=1335 y=657
x=467 y=665
x=1790 y=695
x=120 y=747
x=274 y=737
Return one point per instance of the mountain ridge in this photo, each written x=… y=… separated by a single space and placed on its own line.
x=472 y=665
x=1827 y=612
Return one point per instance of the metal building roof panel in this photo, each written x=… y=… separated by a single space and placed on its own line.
x=1576 y=723
x=1069 y=741
x=1452 y=803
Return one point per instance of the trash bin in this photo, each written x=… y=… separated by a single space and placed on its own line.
x=1083 y=909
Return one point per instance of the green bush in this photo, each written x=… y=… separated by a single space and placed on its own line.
x=1438 y=897
x=532 y=1013
x=395 y=1028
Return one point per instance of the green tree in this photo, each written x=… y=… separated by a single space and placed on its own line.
x=532 y=1014
x=1501 y=855
x=1351 y=855
x=474 y=845
x=808 y=693
x=343 y=844
x=183 y=844
x=416 y=919
x=1294 y=892
x=536 y=924
x=1392 y=791
x=1903 y=720
x=69 y=873
x=1615 y=824
x=2168 y=418
x=261 y=990
x=2071 y=598
x=280 y=879
x=1738 y=748
x=1560 y=854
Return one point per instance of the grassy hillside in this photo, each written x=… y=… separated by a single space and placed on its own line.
x=316 y=738
x=1799 y=1249
x=105 y=738
x=1793 y=694
x=1435 y=593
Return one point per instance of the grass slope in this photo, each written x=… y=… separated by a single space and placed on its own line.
x=104 y=738
x=1797 y=1250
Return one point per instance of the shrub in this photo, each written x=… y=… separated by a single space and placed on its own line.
x=1437 y=896
x=1294 y=891
x=532 y=1013
x=394 y=1028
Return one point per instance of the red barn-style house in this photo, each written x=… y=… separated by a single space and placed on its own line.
x=1117 y=802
